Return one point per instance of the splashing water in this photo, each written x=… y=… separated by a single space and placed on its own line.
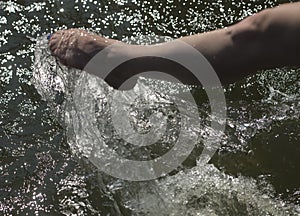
x=255 y=172
x=200 y=190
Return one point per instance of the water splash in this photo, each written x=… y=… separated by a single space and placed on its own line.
x=201 y=190
x=32 y=141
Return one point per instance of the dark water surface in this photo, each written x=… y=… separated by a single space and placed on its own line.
x=256 y=171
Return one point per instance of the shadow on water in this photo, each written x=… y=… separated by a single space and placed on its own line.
x=41 y=173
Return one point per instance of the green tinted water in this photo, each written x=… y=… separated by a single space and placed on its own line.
x=258 y=162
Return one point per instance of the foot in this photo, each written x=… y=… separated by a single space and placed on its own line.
x=75 y=47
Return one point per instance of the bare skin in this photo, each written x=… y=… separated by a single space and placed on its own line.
x=75 y=47
x=268 y=39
